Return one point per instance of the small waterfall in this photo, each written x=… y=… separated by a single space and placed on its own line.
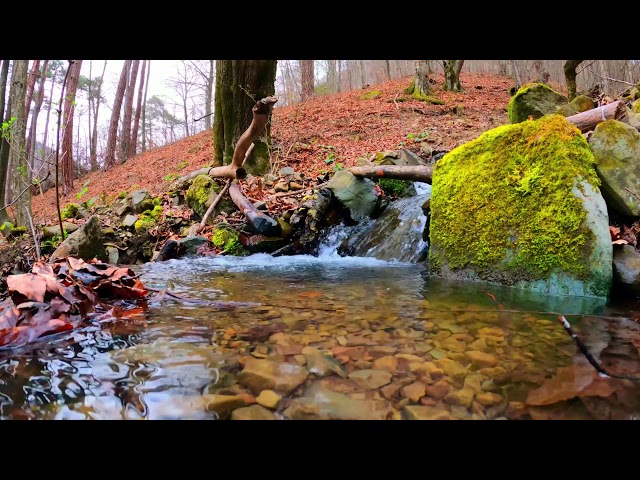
x=396 y=235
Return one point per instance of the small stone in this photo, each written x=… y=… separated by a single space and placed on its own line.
x=381 y=336
x=370 y=379
x=420 y=412
x=223 y=405
x=129 y=221
x=489 y=399
x=114 y=255
x=53 y=230
x=400 y=404
x=295 y=186
x=492 y=372
x=342 y=340
x=390 y=390
x=286 y=171
x=438 y=390
x=300 y=360
x=414 y=391
x=254 y=412
x=480 y=359
x=462 y=397
x=474 y=382
x=438 y=354
x=491 y=332
x=322 y=364
x=261 y=375
x=260 y=352
x=460 y=413
x=480 y=344
x=452 y=368
x=319 y=402
x=387 y=363
x=269 y=399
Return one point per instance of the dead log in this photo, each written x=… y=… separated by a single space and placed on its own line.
x=588 y=120
x=183 y=182
x=417 y=173
x=261 y=111
x=258 y=222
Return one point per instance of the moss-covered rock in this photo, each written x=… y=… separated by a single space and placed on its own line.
x=84 y=243
x=581 y=103
x=70 y=210
x=393 y=187
x=202 y=193
x=370 y=95
x=535 y=100
x=228 y=239
x=140 y=201
x=519 y=206
x=148 y=219
x=616 y=148
x=635 y=106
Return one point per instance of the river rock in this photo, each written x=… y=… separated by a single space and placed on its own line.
x=320 y=403
x=438 y=390
x=51 y=231
x=189 y=245
x=113 y=255
x=488 y=399
x=616 y=148
x=261 y=375
x=223 y=405
x=138 y=199
x=420 y=412
x=580 y=104
x=286 y=171
x=322 y=364
x=129 y=221
x=402 y=157
x=480 y=359
x=269 y=399
x=122 y=208
x=84 y=243
x=545 y=228
x=463 y=397
x=370 y=379
x=357 y=194
x=626 y=267
x=535 y=100
x=452 y=368
x=388 y=363
x=414 y=391
x=254 y=412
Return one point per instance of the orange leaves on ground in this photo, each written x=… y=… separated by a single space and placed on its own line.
x=31 y=286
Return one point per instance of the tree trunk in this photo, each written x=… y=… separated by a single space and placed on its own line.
x=128 y=112
x=209 y=97
x=233 y=109
x=516 y=73
x=4 y=145
x=93 y=145
x=31 y=140
x=413 y=173
x=306 y=76
x=144 y=108
x=31 y=83
x=570 y=76
x=388 y=68
x=420 y=87
x=186 y=116
x=68 y=171
x=452 y=75
x=588 y=120
x=339 y=75
x=17 y=148
x=502 y=68
x=542 y=75
x=133 y=142
x=363 y=73
x=110 y=156
x=46 y=123
x=332 y=76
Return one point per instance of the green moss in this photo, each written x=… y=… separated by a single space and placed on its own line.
x=199 y=191
x=17 y=231
x=426 y=98
x=148 y=219
x=635 y=106
x=393 y=187
x=492 y=206
x=182 y=166
x=370 y=95
x=70 y=211
x=581 y=103
x=412 y=86
x=227 y=239
x=122 y=195
x=518 y=111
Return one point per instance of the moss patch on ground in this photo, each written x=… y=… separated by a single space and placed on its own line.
x=227 y=239
x=148 y=219
x=505 y=201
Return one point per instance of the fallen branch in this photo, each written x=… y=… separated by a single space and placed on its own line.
x=415 y=173
x=261 y=111
x=258 y=222
x=182 y=182
x=588 y=120
x=632 y=193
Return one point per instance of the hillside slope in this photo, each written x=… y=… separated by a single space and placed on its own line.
x=350 y=125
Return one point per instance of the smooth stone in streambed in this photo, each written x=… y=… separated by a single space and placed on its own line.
x=223 y=405
x=320 y=403
x=322 y=364
x=387 y=363
x=452 y=368
x=420 y=412
x=481 y=359
x=438 y=390
x=414 y=391
x=259 y=374
x=269 y=399
x=462 y=397
x=254 y=412
x=370 y=379
x=488 y=399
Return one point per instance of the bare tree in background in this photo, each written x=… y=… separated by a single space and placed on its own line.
x=54 y=67
x=332 y=75
x=133 y=141
x=452 y=74
x=39 y=98
x=125 y=136
x=4 y=144
x=570 y=76
x=68 y=171
x=183 y=84
x=110 y=156
x=420 y=87
x=17 y=157
x=93 y=144
x=144 y=107
x=31 y=82
x=306 y=71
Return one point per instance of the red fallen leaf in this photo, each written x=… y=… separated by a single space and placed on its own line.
x=570 y=382
x=614 y=232
x=9 y=315
x=31 y=286
x=492 y=296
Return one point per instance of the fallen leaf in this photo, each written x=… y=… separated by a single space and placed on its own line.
x=31 y=286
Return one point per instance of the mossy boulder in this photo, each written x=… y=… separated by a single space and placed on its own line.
x=357 y=194
x=580 y=104
x=228 y=239
x=520 y=206
x=635 y=106
x=148 y=219
x=535 y=100
x=616 y=148
x=70 y=210
x=84 y=243
x=51 y=231
x=201 y=194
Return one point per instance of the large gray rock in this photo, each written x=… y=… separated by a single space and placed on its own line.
x=139 y=200
x=626 y=267
x=357 y=194
x=535 y=100
x=580 y=104
x=53 y=230
x=84 y=243
x=616 y=148
x=189 y=245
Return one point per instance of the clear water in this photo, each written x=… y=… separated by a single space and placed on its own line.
x=167 y=362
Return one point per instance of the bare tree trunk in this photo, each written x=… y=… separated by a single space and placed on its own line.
x=93 y=145
x=502 y=68
x=31 y=140
x=452 y=74
x=144 y=108
x=363 y=73
x=110 y=156
x=306 y=76
x=388 y=68
x=604 y=77
x=68 y=171
x=516 y=72
x=17 y=148
x=33 y=75
x=332 y=75
x=570 y=76
x=186 y=116
x=128 y=112
x=4 y=144
x=542 y=75
x=420 y=87
x=133 y=143
x=46 y=123
x=339 y=75
x=209 y=97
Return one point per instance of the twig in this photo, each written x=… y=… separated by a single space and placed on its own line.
x=587 y=65
x=23 y=192
x=36 y=243
x=632 y=193
x=583 y=349
x=396 y=103
x=204 y=116
x=613 y=79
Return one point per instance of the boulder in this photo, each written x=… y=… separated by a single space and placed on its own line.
x=84 y=243
x=189 y=245
x=138 y=199
x=616 y=148
x=626 y=267
x=536 y=100
x=357 y=194
x=402 y=158
x=580 y=104
x=520 y=206
x=129 y=221
x=201 y=194
x=259 y=374
x=53 y=230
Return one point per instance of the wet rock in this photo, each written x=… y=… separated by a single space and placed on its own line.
x=535 y=100
x=626 y=267
x=480 y=359
x=281 y=187
x=286 y=171
x=321 y=364
x=488 y=399
x=580 y=104
x=269 y=399
x=516 y=410
x=370 y=379
x=254 y=412
x=358 y=340
x=451 y=344
x=491 y=332
x=460 y=413
x=420 y=412
x=462 y=397
x=452 y=368
x=223 y=405
x=320 y=403
x=480 y=345
x=122 y=208
x=84 y=243
x=260 y=205
x=388 y=363
x=137 y=199
x=389 y=391
x=438 y=390
x=129 y=221
x=261 y=375
x=295 y=186
x=357 y=194
x=414 y=391
x=53 y=230
x=113 y=255
x=474 y=382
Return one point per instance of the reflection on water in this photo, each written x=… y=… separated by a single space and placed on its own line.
x=171 y=361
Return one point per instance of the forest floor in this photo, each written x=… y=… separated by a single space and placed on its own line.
x=320 y=135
